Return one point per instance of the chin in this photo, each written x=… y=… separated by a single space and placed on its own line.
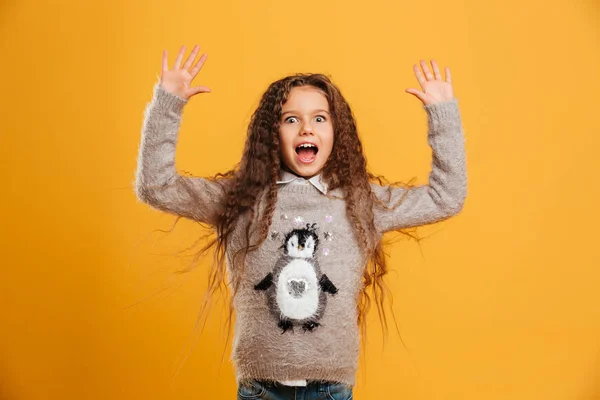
x=307 y=171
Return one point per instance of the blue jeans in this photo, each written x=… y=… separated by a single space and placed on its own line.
x=315 y=390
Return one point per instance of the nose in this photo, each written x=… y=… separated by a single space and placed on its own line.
x=306 y=129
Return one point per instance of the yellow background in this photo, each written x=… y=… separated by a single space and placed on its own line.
x=500 y=302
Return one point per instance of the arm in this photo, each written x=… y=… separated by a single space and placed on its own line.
x=156 y=182
x=445 y=194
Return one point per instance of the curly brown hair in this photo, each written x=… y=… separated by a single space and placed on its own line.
x=254 y=181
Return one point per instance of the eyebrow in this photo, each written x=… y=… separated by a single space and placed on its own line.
x=295 y=112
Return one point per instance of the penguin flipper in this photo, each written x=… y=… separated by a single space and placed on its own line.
x=327 y=285
x=265 y=283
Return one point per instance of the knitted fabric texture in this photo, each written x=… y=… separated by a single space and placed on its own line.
x=296 y=309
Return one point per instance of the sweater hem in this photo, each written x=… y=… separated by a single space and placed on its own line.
x=168 y=101
x=287 y=372
x=443 y=113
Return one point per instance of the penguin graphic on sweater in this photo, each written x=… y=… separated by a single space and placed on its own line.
x=296 y=289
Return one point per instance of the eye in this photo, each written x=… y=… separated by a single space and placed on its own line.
x=291 y=119
x=320 y=118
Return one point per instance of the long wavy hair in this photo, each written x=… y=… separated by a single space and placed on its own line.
x=254 y=181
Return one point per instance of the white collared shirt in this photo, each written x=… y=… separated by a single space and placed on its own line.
x=286 y=177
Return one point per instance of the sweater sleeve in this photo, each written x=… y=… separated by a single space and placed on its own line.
x=445 y=194
x=156 y=181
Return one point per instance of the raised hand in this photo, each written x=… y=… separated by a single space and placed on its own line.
x=435 y=89
x=179 y=79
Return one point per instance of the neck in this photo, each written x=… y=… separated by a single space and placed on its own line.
x=285 y=168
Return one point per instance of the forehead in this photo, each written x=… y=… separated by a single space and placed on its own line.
x=306 y=98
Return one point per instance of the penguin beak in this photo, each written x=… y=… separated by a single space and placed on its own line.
x=300 y=247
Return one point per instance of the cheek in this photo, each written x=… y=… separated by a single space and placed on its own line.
x=327 y=140
x=285 y=138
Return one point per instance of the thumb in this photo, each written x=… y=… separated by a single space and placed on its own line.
x=199 y=89
x=418 y=94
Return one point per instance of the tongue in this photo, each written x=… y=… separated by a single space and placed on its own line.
x=306 y=152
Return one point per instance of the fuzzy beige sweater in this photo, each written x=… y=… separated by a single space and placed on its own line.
x=296 y=311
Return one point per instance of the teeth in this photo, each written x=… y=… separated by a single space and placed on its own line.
x=307 y=145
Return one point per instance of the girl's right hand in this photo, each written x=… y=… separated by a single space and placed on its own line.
x=178 y=80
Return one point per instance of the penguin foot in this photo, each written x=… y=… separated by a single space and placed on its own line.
x=310 y=325
x=285 y=325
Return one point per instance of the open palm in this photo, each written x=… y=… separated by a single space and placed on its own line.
x=435 y=89
x=178 y=80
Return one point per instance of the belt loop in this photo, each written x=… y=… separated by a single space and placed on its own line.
x=322 y=386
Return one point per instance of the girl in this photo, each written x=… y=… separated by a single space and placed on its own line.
x=299 y=220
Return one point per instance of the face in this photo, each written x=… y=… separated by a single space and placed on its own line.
x=306 y=131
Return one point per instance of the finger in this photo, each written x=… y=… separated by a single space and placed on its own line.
x=191 y=57
x=419 y=75
x=200 y=89
x=420 y=95
x=436 y=70
x=179 y=58
x=448 y=76
x=165 y=61
x=198 y=66
x=428 y=73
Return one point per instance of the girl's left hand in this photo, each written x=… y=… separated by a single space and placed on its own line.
x=435 y=90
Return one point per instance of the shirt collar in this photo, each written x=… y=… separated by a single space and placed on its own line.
x=286 y=177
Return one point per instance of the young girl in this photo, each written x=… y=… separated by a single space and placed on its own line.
x=299 y=220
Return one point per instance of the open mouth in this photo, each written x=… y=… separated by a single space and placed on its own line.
x=307 y=152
